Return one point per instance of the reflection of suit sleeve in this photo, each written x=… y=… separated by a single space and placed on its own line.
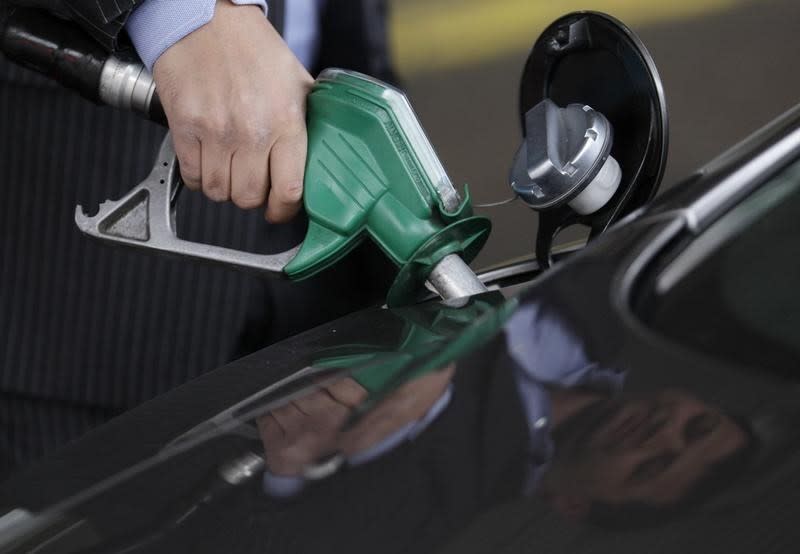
x=546 y=353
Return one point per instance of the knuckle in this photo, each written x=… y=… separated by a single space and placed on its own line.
x=245 y=202
x=214 y=188
x=207 y=125
x=190 y=179
x=252 y=131
x=191 y=183
x=225 y=133
x=189 y=168
x=219 y=129
x=188 y=118
x=249 y=196
x=290 y=192
x=215 y=194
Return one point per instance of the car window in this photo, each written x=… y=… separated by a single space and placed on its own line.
x=734 y=292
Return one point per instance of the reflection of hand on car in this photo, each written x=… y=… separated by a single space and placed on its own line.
x=302 y=432
x=306 y=429
x=408 y=403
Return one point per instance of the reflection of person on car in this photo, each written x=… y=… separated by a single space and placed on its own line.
x=528 y=413
x=592 y=449
x=614 y=455
x=598 y=453
x=392 y=393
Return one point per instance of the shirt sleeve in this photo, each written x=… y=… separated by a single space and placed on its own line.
x=156 y=25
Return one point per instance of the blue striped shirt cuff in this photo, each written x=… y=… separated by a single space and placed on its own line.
x=156 y=25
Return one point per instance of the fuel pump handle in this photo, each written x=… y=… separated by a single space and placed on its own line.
x=370 y=172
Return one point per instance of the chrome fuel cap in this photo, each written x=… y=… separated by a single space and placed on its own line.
x=565 y=159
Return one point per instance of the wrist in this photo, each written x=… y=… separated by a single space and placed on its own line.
x=155 y=25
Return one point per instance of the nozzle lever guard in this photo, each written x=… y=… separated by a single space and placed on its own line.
x=145 y=218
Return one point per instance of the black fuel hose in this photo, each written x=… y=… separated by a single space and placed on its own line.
x=62 y=51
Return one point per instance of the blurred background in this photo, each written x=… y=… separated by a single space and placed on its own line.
x=728 y=67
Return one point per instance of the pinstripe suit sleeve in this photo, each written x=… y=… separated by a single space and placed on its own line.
x=103 y=19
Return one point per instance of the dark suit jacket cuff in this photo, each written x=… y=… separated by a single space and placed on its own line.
x=103 y=19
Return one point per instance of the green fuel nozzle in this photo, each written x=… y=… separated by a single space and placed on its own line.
x=370 y=173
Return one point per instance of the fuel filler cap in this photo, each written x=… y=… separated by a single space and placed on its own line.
x=594 y=122
x=565 y=158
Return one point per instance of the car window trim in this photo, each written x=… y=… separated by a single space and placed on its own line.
x=709 y=207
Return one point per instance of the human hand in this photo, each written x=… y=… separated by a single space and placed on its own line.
x=234 y=96
x=406 y=404
x=306 y=429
